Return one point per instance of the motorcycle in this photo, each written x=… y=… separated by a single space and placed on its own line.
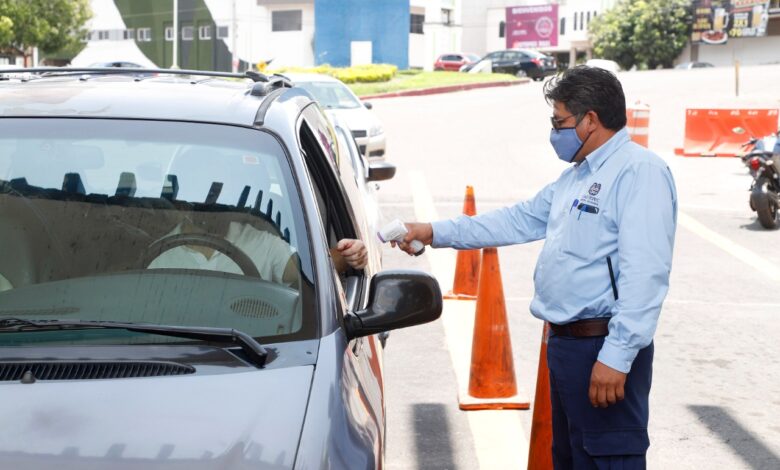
x=763 y=161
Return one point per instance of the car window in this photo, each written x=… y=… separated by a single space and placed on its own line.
x=331 y=95
x=161 y=222
x=336 y=212
x=534 y=54
x=495 y=56
x=512 y=55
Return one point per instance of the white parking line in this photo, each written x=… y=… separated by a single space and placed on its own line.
x=741 y=253
x=499 y=438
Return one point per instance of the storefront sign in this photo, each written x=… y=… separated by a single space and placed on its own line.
x=714 y=21
x=532 y=26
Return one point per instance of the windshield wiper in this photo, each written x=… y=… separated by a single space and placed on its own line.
x=254 y=350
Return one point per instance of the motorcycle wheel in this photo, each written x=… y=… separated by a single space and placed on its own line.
x=766 y=207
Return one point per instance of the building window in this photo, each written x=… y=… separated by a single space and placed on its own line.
x=774 y=5
x=502 y=29
x=223 y=32
x=102 y=35
x=169 y=33
x=286 y=20
x=417 y=23
x=204 y=33
x=562 y=27
x=144 y=34
x=187 y=33
x=129 y=34
x=446 y=16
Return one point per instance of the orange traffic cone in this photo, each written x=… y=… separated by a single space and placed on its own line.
x=492 y=384
x=467 y=263
x=540 y=452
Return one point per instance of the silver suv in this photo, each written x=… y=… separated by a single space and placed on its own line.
x=167 y=294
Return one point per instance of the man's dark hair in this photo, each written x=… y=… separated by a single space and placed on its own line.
x=584 y=89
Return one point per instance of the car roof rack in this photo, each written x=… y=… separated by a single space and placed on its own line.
x=60 y=71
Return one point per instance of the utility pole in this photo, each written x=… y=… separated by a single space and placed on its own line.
x=175 y=60
x=233 y=36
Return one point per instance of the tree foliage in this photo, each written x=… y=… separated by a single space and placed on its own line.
x=50 y=25
x=645 y=33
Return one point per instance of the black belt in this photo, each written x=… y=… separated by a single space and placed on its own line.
x=583 y=328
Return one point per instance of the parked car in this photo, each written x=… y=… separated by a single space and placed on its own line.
x=693 y=65
x=520 y=62
x=167 y=294
x=453 y=62
x=608 y=65
x=333 y=95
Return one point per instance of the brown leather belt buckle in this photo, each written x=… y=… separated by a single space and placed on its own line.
x=589 y=328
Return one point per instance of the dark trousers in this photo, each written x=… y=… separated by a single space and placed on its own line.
x=585 y=437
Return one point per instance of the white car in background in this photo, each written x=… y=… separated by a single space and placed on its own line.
x=337 y=98
x=608 y=65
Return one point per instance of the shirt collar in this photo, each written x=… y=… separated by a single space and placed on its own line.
x=600 y=155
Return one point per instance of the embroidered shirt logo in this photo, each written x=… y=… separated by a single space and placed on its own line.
x=594 y=189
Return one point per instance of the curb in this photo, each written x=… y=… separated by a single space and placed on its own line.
x=443 y=89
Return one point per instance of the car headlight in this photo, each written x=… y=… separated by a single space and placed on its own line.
x=375 y=131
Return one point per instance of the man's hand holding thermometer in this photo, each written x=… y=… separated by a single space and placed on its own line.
x=410 y=238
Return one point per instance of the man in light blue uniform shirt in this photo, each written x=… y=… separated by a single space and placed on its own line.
x=608 y=223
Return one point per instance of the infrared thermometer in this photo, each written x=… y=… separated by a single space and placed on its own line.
x=396 y=231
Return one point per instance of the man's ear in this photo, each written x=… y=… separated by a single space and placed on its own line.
x=594 y=121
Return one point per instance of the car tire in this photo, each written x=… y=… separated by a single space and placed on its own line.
x=521 y=73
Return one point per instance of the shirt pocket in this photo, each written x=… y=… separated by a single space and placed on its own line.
x=581 y=234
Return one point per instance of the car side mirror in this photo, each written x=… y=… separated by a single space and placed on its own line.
x=380 y=171
x=368 y=105
x=396 y=299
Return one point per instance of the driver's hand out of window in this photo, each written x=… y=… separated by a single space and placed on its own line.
x=350 y=253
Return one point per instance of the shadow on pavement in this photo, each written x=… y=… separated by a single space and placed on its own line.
x=433 y=440
x=743 y=442
x=756 y=226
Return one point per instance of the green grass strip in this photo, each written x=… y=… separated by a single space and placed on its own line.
x=417 y=81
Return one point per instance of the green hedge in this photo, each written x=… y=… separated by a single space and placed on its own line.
x=357 y=74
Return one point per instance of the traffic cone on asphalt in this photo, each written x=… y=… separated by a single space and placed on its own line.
x=464 y=287
x=540 y=452
x=492 y=384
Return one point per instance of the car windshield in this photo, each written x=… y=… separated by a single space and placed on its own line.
x=160 y=222
x=331 y=95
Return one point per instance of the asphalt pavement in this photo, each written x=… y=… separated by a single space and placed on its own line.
x=716 y=389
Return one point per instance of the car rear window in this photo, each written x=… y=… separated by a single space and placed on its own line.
x=331 y=95
x=161 y=222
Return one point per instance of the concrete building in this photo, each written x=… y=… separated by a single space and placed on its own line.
x=484 y=27
x=216 y=34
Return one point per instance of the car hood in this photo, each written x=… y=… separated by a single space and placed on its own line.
x=357 y=119
x=225 y=421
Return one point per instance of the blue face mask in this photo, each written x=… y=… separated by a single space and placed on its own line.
x=566 y=143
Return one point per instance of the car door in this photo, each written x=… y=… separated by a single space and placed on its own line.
x=513 y=62
x=497 y=61
x=361 y=376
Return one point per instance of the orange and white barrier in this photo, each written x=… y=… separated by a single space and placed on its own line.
x=638 y=122
x=723 y=132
